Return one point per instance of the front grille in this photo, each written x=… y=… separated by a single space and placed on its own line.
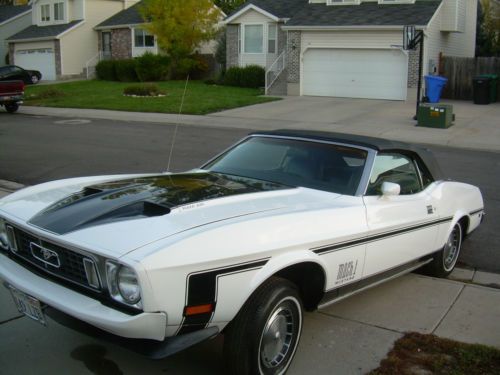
x=70 y=265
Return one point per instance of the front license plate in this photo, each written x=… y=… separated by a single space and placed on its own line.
x=28 y=305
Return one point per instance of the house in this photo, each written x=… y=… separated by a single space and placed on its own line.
x=123 y=36
x=61 y=41
x=13 y=18
x=347 y=48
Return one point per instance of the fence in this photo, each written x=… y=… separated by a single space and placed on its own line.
x=461 y=70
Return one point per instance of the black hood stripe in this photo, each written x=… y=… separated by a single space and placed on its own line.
x=141 y=197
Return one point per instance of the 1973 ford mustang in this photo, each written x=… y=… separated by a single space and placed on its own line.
x=281 y=222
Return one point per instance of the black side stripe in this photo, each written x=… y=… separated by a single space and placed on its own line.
x=201 y=289
x=476 y=211
x=377 y=237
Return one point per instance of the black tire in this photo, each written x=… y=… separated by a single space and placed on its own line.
x=254 y=342
x=444 y=262
x=11 y=107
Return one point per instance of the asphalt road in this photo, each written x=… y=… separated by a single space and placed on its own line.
x=37 y=149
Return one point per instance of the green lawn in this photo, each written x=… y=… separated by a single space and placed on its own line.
x=200 y=98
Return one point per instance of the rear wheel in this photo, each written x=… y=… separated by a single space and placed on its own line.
x=34 y=79
x=263 y=337
x=444 y=263
x=11 y=107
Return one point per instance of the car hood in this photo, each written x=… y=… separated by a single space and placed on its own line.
x=119 y=216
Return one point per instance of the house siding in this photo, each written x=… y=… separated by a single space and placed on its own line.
x=460 y=44
x=81 y=44
x=8 y=29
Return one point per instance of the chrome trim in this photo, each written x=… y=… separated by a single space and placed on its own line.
x=11 y=237
x=46 y=255
x=90 y=266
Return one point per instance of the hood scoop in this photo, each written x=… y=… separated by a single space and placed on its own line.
x=140 y=198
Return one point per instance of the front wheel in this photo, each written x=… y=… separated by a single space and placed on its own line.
x=444 y=263
x=11 y=107
x=263 y=337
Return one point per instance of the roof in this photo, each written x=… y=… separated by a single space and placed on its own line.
x=377 y=144
x=129 y=16
x=43 y=32
x=302 y=13
x=10 y=11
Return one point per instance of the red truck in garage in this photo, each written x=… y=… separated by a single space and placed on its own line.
x=11 y=95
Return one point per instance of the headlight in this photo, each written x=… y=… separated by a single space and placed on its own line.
x=4 y=240
x=123 y=284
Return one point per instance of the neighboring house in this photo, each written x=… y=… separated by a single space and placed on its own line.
x=122 y=36
x=61 y=39
x=13 y=18
x=347 y=48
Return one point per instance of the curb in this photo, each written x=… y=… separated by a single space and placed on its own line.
x=10 y=186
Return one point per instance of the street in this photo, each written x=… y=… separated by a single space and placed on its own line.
x=35 y=149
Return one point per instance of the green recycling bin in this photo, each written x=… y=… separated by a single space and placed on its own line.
x=493 y=86
x=435 y=115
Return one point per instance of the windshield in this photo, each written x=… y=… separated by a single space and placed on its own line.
x=291 y=162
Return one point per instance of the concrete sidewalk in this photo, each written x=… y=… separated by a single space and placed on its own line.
x=476 y=126
x=349 y=337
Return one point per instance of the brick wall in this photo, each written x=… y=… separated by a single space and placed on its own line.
x=293 y=56
x=413 y=59
x=121 y=44
x=57 y=52
x=232 y=58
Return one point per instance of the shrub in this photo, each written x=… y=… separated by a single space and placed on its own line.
x=151 y=67
x=125 y=70
x=148 y=89
x=105 y=70
x=252 y=76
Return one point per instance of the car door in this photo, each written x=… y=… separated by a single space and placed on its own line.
x=404 y=227
x=19 y=74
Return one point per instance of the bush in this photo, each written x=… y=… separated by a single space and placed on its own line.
x=105 y=70
x=125 y=70
x=148 y=89
x=252 y=76
x=151 y=67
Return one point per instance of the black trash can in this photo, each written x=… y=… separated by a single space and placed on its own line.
x=481 y=90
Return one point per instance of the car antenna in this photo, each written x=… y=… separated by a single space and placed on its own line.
x=177 y=125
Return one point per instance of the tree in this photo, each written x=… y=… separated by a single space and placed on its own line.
x=228 y=6
x=180 y=26
x=488 y=34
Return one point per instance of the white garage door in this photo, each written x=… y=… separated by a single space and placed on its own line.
x=355 y=73
x=42 y=59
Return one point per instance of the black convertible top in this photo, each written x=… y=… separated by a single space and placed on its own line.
x=377 y=144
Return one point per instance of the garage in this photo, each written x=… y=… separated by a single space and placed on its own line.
x=355 y=73
x=42 y=59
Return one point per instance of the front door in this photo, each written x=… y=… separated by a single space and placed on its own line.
x=106 y=45
x=402 y=228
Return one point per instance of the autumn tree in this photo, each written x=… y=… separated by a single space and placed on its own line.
x=180 y=26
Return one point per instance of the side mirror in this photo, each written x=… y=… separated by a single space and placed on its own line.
x=390 y=189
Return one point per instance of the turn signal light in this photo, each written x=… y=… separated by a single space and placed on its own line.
x=200 y=309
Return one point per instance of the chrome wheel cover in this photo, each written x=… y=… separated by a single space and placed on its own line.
x=452 y=248
x=34 y=79
x=277 y=337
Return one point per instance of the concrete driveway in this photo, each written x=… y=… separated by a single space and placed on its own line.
x=476 y=126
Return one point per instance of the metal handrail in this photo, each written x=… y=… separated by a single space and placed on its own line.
x=95 y=59
x=275 y=69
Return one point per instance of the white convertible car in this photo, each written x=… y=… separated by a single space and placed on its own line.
x=281 y=222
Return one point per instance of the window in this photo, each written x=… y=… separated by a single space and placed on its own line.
x=394 y=168
x=143 y=39
x=59 y=12
x=396 y=1
x=254 y=38
x=45 y=12
x=271 y=38
x=343 y=2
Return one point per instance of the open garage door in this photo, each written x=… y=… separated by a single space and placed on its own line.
x=355 y=73
x=42 y=59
